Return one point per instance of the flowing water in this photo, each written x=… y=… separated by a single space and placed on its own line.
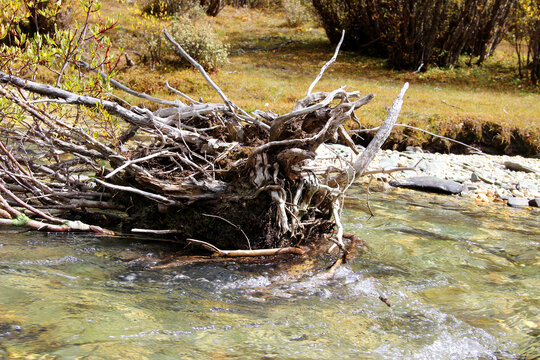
x=463 y=280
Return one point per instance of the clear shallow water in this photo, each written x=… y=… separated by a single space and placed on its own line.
x=464 y=282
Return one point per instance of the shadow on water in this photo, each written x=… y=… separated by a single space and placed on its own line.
x=462 y=279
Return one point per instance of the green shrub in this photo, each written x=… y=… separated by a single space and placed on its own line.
x=32 y=17
x=200 y=42
x=297 y=12
x=198 y=39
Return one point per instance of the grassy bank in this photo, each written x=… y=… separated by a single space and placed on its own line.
x=271 y=66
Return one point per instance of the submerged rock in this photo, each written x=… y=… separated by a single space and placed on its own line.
x=517 y=202
x=429 y=183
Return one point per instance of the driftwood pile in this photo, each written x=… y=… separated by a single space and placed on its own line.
x=208 y=173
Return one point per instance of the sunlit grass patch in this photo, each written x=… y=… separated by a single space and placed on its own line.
x=271 y=66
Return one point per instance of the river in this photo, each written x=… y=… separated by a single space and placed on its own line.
x=463 y=280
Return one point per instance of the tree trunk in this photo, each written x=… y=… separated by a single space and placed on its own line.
x=535 y=51
x=213 y=7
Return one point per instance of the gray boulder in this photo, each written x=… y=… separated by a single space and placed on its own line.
x=430 y=184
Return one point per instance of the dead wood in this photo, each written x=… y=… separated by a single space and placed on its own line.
x=198 y=170
x=248 y=253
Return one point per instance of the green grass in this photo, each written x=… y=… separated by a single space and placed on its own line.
x=259 y=78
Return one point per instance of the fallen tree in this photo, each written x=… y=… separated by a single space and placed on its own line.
x=196 y=170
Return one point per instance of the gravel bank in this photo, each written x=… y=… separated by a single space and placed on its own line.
x=485 y=178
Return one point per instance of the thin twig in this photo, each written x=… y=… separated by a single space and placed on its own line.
x=181 y=93
x=390 y=170
x=454 y=106
x=233 y=225
x=367 y=198
x=120 y=86
x=422 y=130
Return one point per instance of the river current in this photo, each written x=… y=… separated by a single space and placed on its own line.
x=463 y=280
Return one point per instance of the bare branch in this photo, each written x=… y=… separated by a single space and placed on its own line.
x=248 y=253
x=147 y=194
x=181 y=93
x=198 y=66
x=131 y=162
x=363 y=160
x=454 y=106
x=326 y=65
x=422 y=130
x=120 y=86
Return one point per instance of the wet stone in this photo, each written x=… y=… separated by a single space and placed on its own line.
x=534 y=202
x=518 y=202
x=128 y=255
x=486 y=177
x=429 y=183
x=4 y=329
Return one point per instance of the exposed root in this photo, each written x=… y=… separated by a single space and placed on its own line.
x=197 y=170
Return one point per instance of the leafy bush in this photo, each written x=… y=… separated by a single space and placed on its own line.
x=32 y=17
x=413 y=33
x=201 y=43
x=199 y=40
x=297 y=12
x=254 y=4
x=35 y=40
x=164 y=8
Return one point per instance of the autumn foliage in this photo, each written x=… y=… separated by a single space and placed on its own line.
x=415 y=32
x=526 y=38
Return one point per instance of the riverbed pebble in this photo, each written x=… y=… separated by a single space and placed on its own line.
x=518 y=202
x=485 y=178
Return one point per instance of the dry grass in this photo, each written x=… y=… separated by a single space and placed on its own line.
x=272 y=65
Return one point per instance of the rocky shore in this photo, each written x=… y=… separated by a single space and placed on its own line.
x=514 y=180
